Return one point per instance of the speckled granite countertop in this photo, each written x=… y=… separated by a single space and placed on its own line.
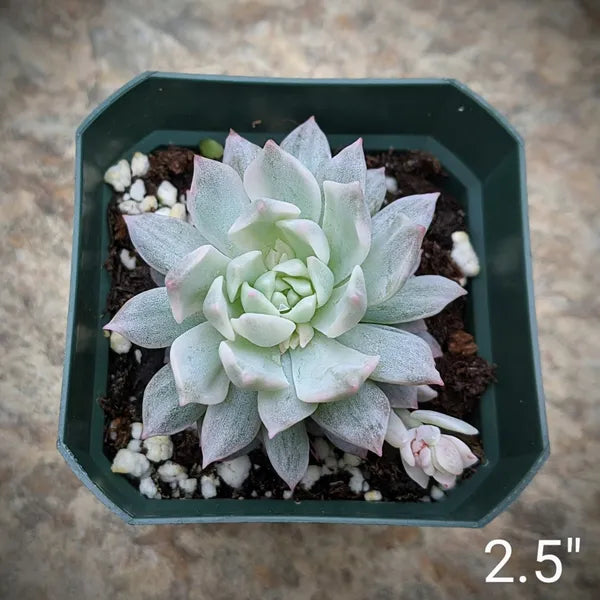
x=538 y=62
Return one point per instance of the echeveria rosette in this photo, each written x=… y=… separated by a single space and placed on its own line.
x=285 y=299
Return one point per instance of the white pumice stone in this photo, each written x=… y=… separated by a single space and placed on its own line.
x=137 y=191
x=331 y=462
x=130 y=463
x=366 y=486
x=178 y=211
x=148 y=204
x=188 y=486
x=391 y=185
x=170 y=472
x=129 y=207
x=165 y=210
x=312 y=475
x=352 y=460
x=234 y=472
x=436 y=493
x=140 y=164
x=373 y=496
x=254 y=494
x=119 y=176
x=119 y=344
x=125 y=196
x=135 y=445
x=128 y=260
x=136 y=430
x=356 y=481
x=167 y=193
x=325 y=470
x=148 y=488
x=322 y=448
x=287 y=494
x=159 y=448
x=268 y=494
x=138 y=356
x=208 y=486
x=464 y=255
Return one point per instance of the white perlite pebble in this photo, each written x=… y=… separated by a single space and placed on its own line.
x=129 y=207
x=135 y=445
x=138 y=356
x=159 y=448
x=463 y=254
x=165 y=210
x=119 y=176
x=178 y=211
x=208 y=486
x=391 y=185
x=234 y=472
x=322 y=448
x=268 y=494
x=436 y=493
x=188 y=486
x=125 y=196
x=352 y=460
x=140 y=164
x=170 y=472
x=148 y=204
x=130 y=463
x=128 y=260
x=167 y=193
x=287 y=494
x=312 y=475
x=331 y=462
x=119 y=344
x=373 y=496
x=366 y=486
x=356 y=481
x=136 y=430
x=137 y=191
x=148 y=488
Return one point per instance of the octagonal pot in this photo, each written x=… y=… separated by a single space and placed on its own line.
x=484 y=158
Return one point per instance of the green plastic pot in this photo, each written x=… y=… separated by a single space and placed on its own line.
x=485 y=159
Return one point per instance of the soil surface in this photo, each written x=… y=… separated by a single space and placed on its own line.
x=466 y=375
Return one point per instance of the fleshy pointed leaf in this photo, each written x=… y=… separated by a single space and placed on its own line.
x=189 y=280
x=216 y=309
x=263 y=330
x=299 y=285
x=418 y=208
x=246 y=267
x=375 y=189
x=395 y=247
x=361 y=419
x=288 y=453
x=416 y=474
x=321 y=278
x=419 y=298
x=341 y=444
x=303 y=310
x=425 y=393
x=293 y=267
x=280 y=409
x=161 y=412
x=266 y=284
x=400 y=396
x=251 y=367
x=447 y=456
x=347 y=226
x=229 y=426
x=432 y=417
x=277 y=174
x=306 y=333
x=147 y=320
x=326 y=370
x=198 y=372
x=255 y=301
x=306 y=238
x=396 y=431
x=345 y=308
x=309 y=145
x=404 y=358
x=434 y=346
x=161 y=240
x=348 y=165
x=239 y=152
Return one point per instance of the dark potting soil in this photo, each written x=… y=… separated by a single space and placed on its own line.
x=466 y=375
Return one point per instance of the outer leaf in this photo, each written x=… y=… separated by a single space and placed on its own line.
x=162 y=241
x=306 y=238
x=239 y=152
x=276 y=174
x=321 y=278
x=361 y=420
x=395 y=247
x=404 y=358
x=216 y=198
x=348 y=165
x=217 y=310
x=432 y=417
x=309 y=145
x=146 y=320
x=288 y=452
x=281 y=409
x=326 y=370
x=198 y=373
x=421 y=297
x=345 y=308
x=251 y=367
x=161 y=412
x=418 y=208
x=343 y=445
x=189 y=280
x=263 y=330
x=375 y=189
x=400 y=396
x=347 y=226
x=229 y=426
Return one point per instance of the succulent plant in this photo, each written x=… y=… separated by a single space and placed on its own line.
x=288 y=296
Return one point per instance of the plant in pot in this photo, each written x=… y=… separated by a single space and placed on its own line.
x=290 y=286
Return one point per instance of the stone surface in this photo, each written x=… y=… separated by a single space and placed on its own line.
x=535 y=61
